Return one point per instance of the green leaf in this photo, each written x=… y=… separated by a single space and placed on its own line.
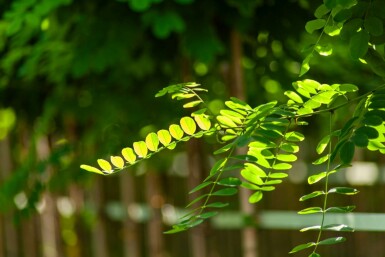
x=293 y=96
x=358 y=44
x=152 y=141
x=200 y=186
x=342 y=15
x=305 y=66
x=176 y=131
x=129 y=155
x=230 y=181
x=218 y=166
x=314 y=255
x=338 y=227
x=333 y=240
x=311 y=195
x=311 y=210
x=286 y=157
x=273 y=182
x=302 y=247
x=360 y=140
x=140 y=149
x=347 y=152
x=192 y=104
x=203 y=121
x=207 y=215
x=254 y=169
x=91 y=169
x=188 y=125
x=317 y=177
x=251 y=176
x=256 y=197
x=344 y=209
x=321 y=11
x=267 y=188
x=313 y=25
x=374 y=26
x=372 y=120
x=344 y=190
x=321 y=160
x=278 y=175
x=226 y=192
x=105 y=165
x=164 y=137
x=347 y=88
x=282 y=166
x=290 y=147
x=323 y=144
x=324 y=97
x=117 y=161
x=226 y=122
x=224 y=149
x=294 y=136
x=245 y=157
x=217 y=205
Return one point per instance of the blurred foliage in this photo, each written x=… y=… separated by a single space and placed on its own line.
x=83 y=73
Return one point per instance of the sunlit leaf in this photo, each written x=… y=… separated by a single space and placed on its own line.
x=317 y=177
x=278 y=175
x=293 y=96
x=287 y=157
x=321 y=160
x=256 y=197
x=311 y=210
x=294 y=136
x=164 y=137
x=323 y=144
x=188 y=125
x=192 y=104
x=140 y=149
x=290 y=147
x=338 y=227
x=282 y=166
x=226 y=122
x=105 y=165
x=203 y=121
x=176 y=131
x=91 y=169
x=152 y=141
x=117 y=161
x=129 y=155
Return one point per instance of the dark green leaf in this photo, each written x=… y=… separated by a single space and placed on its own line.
x=358 y=44
x=342 y=15
x=370 y=132
x=347 y=152
x=226 y=192
x=344 y=190
x=333 y=240
x=200 y=186
x=290 y=147
x=245 y=157
x=360 y=140
x=217 y=205
x=230 y=181
x=374 y=25
x=218 y=166
x=372 y=120
x=321 y=11
x=207 y=215
x=344 y=209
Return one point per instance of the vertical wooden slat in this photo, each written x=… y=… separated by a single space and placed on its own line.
x=48 y=218
x=155 y=228
x=195 y=165
x=131 y=242
x=237 y=89
x=99 y=241
x=9 y=231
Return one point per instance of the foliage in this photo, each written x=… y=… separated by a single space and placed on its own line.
x=271 y=131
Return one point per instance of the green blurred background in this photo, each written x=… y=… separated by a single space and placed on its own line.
x=77 y=83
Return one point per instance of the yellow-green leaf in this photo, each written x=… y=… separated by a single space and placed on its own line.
x=152 y=142
x=105 y=165
x=90 y=169
x=188 y=125
x=176 y=131
x=203 y=121
x=164 y=137
x=129 y=155
x=226 y=122
x=117 y=161
x=140 y=149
